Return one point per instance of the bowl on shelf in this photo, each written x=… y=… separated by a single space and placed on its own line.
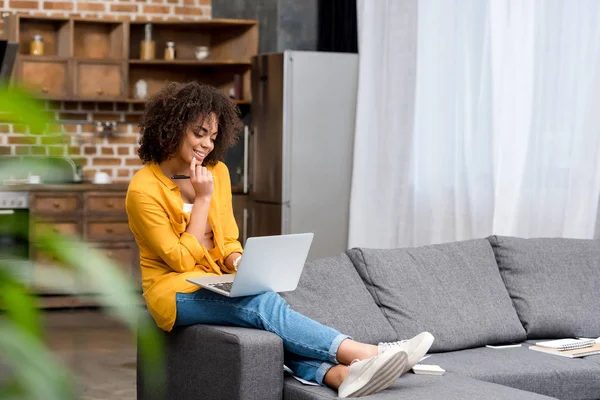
x=201 y=52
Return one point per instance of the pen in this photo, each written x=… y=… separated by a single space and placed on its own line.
x=180 y=177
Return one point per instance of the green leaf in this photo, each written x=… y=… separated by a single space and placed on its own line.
x=21 y=107
x=18 y=304
x=40 y=375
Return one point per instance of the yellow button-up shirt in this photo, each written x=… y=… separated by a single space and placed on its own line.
x=168 y=254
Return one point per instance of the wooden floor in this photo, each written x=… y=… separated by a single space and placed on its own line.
x=98 y=350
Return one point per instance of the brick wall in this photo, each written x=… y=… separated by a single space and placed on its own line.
x=114 y=154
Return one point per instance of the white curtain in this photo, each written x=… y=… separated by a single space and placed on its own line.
x=476 y=117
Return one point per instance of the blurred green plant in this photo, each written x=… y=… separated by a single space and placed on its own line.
x=29 y=369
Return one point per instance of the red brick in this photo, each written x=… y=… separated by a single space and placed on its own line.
x=74 y=150
x=19 y=128
x=133 y=118
x=157 y=9
x=58 y=5
x=72 y=116
x=106 y=117
x=133 y=161
x=122 y=140
x=38 y=150
x=190 y=2
x=70 y=128
x=173 y=1
x=4 y=128
x=124 y=8
x=204 y=2
x=89 y=150
x=22 y=140
x=108 y=151
x=30 y=5
x=106 y=161
x=123 y=172
x=4 y=150
x=22 y=150
x=189 y=11
x=56 y=150
x=56 y=139
x=123 y=151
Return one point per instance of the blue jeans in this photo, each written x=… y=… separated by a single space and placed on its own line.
x=310 y=347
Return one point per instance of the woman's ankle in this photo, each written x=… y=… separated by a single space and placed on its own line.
x=336 y=375
x=351 y=350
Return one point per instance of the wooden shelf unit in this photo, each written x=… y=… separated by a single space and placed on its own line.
x=99 y=60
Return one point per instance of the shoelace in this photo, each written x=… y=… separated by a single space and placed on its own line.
x=388 y=345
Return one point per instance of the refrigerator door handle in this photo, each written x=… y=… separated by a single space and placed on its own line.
x=246 y=161
x=245 y=226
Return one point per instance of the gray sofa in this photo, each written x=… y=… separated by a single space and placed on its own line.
x=468 y=294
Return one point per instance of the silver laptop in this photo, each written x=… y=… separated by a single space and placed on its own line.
x=270 y=263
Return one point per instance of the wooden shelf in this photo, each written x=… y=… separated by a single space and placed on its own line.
x=194 y=63
x=99 y=60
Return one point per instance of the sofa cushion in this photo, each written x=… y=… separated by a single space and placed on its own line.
x=419 y=387
x=331 y=292
x=526 y=369
x=554 y=284
x=452 y=290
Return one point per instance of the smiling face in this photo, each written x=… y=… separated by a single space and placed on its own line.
x=199 y=140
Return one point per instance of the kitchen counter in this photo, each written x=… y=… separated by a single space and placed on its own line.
x=66 y=187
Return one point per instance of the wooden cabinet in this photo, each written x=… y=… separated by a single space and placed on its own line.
x=100 y=60
x=241 y=214
x=99 y=80
x=48 y=76
x=97 y=217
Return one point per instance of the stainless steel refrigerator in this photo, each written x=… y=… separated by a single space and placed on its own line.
x=302 y=136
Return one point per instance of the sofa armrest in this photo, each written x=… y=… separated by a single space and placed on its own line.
x=218 y=362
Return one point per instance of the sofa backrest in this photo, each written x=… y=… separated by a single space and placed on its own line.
x=554 y=284
x=452 y=290
x=331 y=292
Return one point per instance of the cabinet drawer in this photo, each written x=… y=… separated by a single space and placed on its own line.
x=64 y=228
x=105 y=203
x=110 y=231
x=48 y=78
x=55 y=204
x=51 y=277
x=98 y=80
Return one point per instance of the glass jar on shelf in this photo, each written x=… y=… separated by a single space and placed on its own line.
x=170 y=51
x=36 y=46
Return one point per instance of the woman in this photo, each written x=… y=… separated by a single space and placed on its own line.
x=185 y=228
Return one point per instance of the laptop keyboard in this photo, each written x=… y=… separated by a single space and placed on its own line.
x=225 y=286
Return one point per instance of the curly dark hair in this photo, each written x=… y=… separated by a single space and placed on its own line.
x=169 y=113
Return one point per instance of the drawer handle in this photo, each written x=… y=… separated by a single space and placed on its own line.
x=110 y=204
x=109 y=230
x=109 y=254
x=99 y=92
x=45 y=89
x=56 y=204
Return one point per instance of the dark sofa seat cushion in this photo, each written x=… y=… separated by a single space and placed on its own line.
x=419 y=387
x=452 y=290
x=526 y=369
x=331 y=292
x=554 y=284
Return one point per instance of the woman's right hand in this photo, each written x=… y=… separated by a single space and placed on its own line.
x=201 y=180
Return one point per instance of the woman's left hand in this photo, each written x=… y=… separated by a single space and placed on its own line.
x=233 y=260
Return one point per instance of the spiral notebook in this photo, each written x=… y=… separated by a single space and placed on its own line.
x=573 y=353
x=567 y=344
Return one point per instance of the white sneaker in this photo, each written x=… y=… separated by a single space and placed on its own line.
x=374 y=374
x=415 y=348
